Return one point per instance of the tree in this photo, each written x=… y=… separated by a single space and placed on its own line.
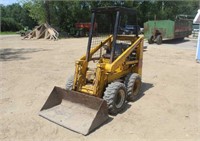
x=14 y=17
x=64 y=14
x=36 y=10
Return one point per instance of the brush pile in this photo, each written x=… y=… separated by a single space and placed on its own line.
x=43 y=31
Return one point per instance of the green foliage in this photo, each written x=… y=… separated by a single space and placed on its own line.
x=64 y=14
x=9 y=24
x=14 y=17
x=36 y=10
x=7 y=33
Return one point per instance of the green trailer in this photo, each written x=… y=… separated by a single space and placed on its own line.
x=156 y=31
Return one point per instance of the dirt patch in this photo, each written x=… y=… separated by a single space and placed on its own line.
x=168 y=110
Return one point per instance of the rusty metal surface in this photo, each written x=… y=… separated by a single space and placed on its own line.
x=76 y=111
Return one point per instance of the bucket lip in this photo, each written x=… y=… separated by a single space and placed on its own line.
x=83 y=133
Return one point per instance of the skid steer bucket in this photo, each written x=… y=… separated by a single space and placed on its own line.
x=76 y=111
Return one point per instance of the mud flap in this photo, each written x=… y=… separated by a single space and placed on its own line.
x=76 y=111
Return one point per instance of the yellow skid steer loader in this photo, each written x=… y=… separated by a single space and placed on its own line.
x=107 y=76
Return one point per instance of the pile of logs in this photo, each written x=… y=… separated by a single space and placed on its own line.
x=43 y=31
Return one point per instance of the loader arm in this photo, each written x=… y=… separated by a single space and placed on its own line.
x=138 y=45
x=82 y=66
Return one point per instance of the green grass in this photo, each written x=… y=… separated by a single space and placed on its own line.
x=7 y=33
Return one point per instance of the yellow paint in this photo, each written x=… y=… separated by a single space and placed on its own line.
x=107 y=72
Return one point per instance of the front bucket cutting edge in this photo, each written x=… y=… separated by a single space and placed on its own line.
x=76 y=111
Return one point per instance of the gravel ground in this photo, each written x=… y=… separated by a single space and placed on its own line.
x=169 y=109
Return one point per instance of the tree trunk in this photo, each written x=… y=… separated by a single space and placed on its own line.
x=47 y=9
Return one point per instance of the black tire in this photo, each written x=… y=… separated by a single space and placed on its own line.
x=69 y=83
x=150 y=40
x=115 y=96
x=133 y=84
x=159 y=39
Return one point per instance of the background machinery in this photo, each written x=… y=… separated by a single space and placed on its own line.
x=157 y=30
x=82 y=29
x=107 y=76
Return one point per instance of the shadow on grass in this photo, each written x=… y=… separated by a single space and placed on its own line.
x=10 y=54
